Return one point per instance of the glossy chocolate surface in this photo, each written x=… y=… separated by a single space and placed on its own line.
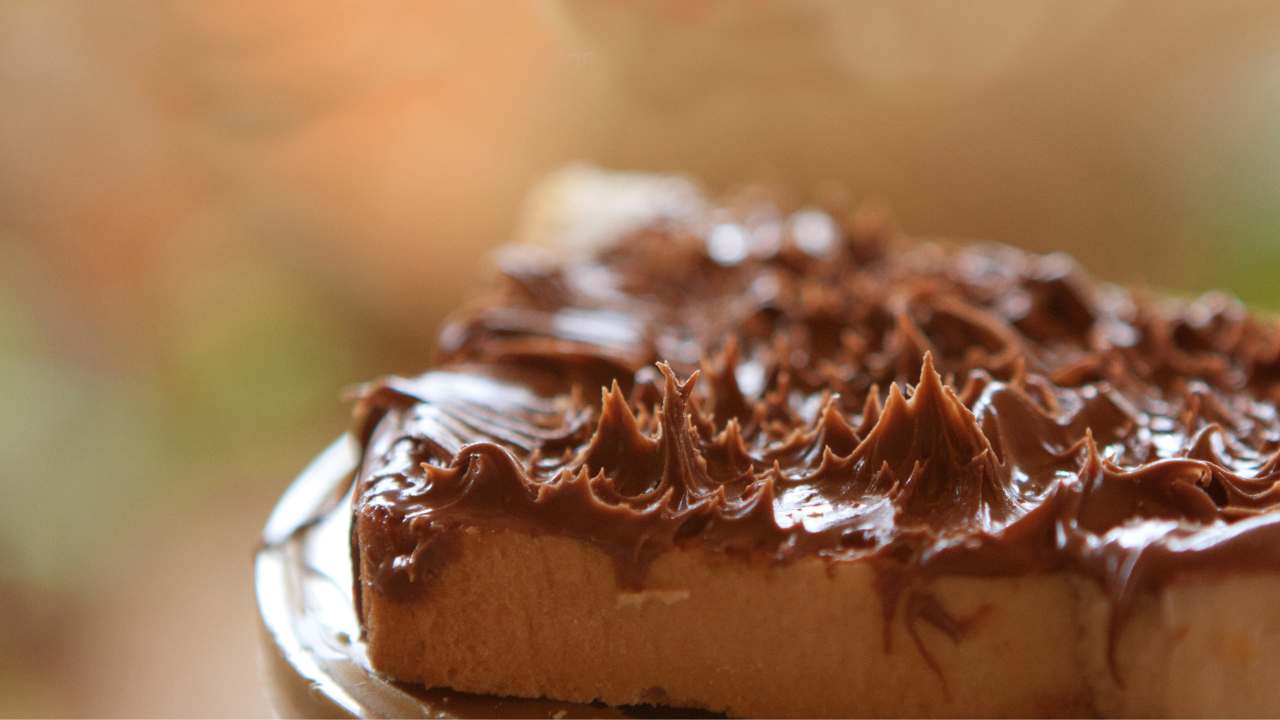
x=782 y=385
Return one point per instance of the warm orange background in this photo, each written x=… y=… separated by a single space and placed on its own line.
x=213 y=215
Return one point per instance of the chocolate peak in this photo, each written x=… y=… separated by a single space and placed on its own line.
x=728 y=401
x=618 y=448
x=834 y=433
x=683 y=467
x=931 y=449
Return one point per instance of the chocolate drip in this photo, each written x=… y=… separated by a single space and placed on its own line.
x=1096 y=430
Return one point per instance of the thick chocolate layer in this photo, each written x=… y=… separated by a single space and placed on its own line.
x=781 y=385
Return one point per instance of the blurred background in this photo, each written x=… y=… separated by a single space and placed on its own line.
x=215 y=215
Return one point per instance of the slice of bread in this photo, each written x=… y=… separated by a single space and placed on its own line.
x=544 y=563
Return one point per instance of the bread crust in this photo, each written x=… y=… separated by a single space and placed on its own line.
x=543 y=616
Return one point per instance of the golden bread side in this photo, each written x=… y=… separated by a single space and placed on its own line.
x=544 y=616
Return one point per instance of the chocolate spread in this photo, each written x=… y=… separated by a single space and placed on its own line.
x=781 y=385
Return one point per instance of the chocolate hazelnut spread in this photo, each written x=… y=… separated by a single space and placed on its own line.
x=777 y=386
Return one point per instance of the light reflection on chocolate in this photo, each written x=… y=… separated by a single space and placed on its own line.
x=936 y=409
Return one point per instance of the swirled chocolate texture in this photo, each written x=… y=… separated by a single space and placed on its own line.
x=780 y=385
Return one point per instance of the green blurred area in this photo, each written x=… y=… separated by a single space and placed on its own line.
x=102 y=447
x=1247 y=257
x=257 y=362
